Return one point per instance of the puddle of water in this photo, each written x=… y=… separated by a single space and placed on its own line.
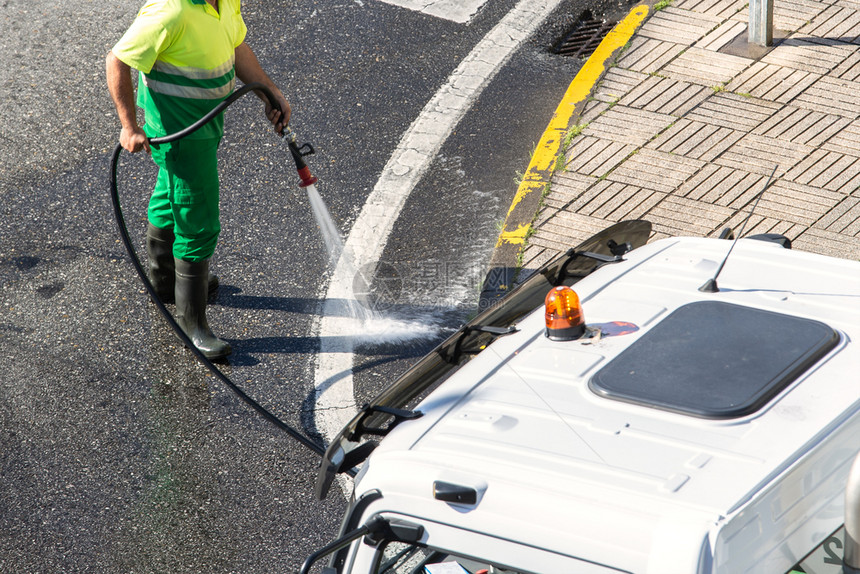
x=392 y=330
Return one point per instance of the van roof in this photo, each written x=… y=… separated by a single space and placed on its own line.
x=561 y=432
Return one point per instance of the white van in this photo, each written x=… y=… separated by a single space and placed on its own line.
x=673 y=416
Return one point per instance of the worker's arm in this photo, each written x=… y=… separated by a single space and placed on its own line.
x=248 y=70
x=132 y=137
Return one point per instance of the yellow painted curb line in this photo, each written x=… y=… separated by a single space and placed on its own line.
x=543 y=161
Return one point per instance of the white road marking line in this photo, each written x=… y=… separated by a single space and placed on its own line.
x=460 y=11
x=335 y=402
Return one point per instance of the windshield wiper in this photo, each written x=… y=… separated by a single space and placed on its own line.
x=376 y=529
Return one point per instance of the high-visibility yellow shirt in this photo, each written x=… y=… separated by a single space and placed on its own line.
x=185 y=51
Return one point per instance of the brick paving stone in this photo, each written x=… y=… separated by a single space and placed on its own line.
x=665 y=96
x=829 y=170
x=812 y=166
x=733 y=111
x=844 y=218
x=659 y=171
x=662 y=145
x=556 y=241
x=699 y=66
x=803 y=126
x=847 y=181
x=828 y=243
x=832 y=96
x=688 y=217
x=837 y=22
x=580 y=221
x=847 y=141
x=676 y=25
x=628 y=125
x=695 y=140
x=595 y=156
x=534 y=257
x=772 y=82
x=797 y=203
x=647 y=55
x=725 y=33
x=571 y=180
x=849 y=68
x=815 y=55
x=757 y=224
x=789 y=15
x=562 y=234
x=721 y=9
x=593 y=110
x=723 y=186
x=547 y=212
x=759 y=154
x=567 y=186
x=613 y=201
x=550 y=203
x=617 y=83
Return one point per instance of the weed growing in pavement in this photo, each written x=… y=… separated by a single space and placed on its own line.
x=662 y=4
x=572 y=133
x=561 y=159
x=560 y=166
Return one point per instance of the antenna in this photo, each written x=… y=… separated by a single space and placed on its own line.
x=710 y=285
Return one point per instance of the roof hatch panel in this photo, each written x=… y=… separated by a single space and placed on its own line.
x=715 y=360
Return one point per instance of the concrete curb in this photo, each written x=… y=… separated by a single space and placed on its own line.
x=504 y=263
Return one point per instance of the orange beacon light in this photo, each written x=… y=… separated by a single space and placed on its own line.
x=565 y=320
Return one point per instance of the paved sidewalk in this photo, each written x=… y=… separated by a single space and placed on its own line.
x=688 y=124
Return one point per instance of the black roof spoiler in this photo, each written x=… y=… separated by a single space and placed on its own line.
x=386 y=411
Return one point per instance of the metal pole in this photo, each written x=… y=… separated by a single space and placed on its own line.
x=761 y=22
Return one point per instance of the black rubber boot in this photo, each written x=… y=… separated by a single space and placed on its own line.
x=191 y=291
x=159 y=253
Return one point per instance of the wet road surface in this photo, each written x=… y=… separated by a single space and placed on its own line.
x=118 y=451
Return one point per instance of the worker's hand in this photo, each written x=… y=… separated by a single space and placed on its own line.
x=134 y=139
x=274 y=115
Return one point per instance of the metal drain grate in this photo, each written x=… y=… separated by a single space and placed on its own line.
x=583 y=40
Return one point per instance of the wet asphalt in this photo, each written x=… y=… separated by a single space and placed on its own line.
x=118 y=451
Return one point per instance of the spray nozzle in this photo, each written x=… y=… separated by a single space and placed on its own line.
x=299 y=152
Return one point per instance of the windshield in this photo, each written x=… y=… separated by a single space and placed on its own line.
x=406 y=558
x=826 y=558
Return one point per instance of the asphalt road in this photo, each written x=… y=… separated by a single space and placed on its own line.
x=118 y=452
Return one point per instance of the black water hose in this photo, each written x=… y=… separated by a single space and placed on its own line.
x=123 y=231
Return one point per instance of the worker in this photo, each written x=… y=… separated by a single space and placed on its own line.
x=188 y=54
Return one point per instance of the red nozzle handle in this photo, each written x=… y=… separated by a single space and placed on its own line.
x=306 y=176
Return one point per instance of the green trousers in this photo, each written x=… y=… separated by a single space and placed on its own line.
x=186 y=196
